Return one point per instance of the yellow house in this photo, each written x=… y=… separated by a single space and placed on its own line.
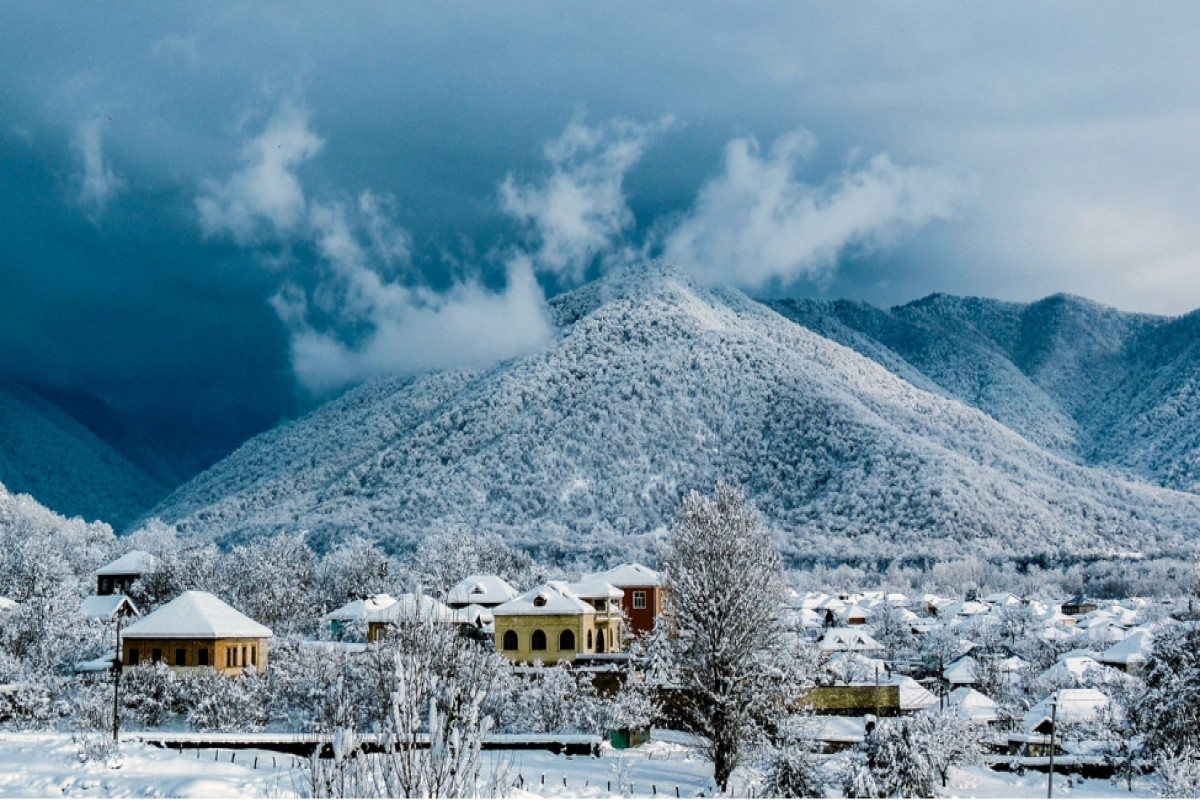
x=559 y=621
x=196 y=631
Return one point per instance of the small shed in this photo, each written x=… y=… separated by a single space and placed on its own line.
x=117 y=576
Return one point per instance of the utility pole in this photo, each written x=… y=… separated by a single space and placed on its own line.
x=1053 y=725
x=117 y=664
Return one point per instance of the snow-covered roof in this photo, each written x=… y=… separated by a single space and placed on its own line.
x=100 y=664
x=361 y=608
x=478 y=616
x=851 y=639
x=105 y=606
x=972 y=704
x=592 y=589
x=196 y=615
x=1132 y=650
x=627 y=575
x=416 y=607
x=962 y=672
x=135 y=562
x=1074 y=705
x=913 y=696
x=480 y=590
x=549 y=598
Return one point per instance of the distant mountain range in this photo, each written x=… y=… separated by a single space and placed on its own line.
x=48 y=453
x=945 y=427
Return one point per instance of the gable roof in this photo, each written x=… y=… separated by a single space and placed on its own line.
x=106 y=606
x=1074 y=705
x=1132 y=650
x=135 y=562
x=196 y=615
x=851 y=639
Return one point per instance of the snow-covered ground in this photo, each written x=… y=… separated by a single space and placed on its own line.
x=49 y=765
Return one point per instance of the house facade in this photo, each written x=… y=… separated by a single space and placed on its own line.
x=197 y=631
x=553 y=623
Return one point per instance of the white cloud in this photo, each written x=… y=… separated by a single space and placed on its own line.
x=97 y=182
x=365 y=312
x=414 y=330
x=758 y=222
x=579 y=212
x=265 y=196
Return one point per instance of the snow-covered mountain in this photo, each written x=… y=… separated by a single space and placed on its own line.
x=1097 y=385
x=46 y=453
x=654 y=386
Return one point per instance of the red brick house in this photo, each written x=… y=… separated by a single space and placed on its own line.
x=643 y=599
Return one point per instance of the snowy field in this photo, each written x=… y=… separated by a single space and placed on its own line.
x=49 y=765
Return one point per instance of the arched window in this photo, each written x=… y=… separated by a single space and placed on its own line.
x=599 y=641
x=566 y=640
x=589 y=647
x=510 y=640
x=538 y=642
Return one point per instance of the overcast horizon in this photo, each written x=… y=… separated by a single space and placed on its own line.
x=217 y=215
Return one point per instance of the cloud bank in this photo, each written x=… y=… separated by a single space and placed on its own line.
x=365 y=311
x=758 y=221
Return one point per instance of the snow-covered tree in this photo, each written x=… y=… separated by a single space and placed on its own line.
x=789 y=763
x=724 y=592
x=1179 y=771
x=947 y=740
x=1167 y=713
x=891 y=762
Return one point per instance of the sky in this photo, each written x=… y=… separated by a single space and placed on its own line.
x=213 y=216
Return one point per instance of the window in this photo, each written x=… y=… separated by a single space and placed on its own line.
x=156 y=655
x=540 y=600
x=600 y=604
x=254 y=655
x=243 y=661
x=202 y=657
x=228 y=656
x=180 y=657
x=538 y=642
x=599 y=641
x=106 y=586
x=133 y=656
x=639 y=599
x=589 y=647
x=510 y=640
x=566 y=640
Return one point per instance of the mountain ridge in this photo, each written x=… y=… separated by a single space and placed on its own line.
x=653 y=386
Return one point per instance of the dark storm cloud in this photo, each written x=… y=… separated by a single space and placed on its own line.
x=152 y=253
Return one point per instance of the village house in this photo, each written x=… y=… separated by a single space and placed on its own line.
x=196 y=631
x=411 y=609
x=555 y=623
x=350 y=621
x=643 y=599
x=118 y=576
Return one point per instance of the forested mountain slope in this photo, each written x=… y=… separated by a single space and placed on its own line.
x=44 y=452
x=1092 y=383
x=654 y=386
